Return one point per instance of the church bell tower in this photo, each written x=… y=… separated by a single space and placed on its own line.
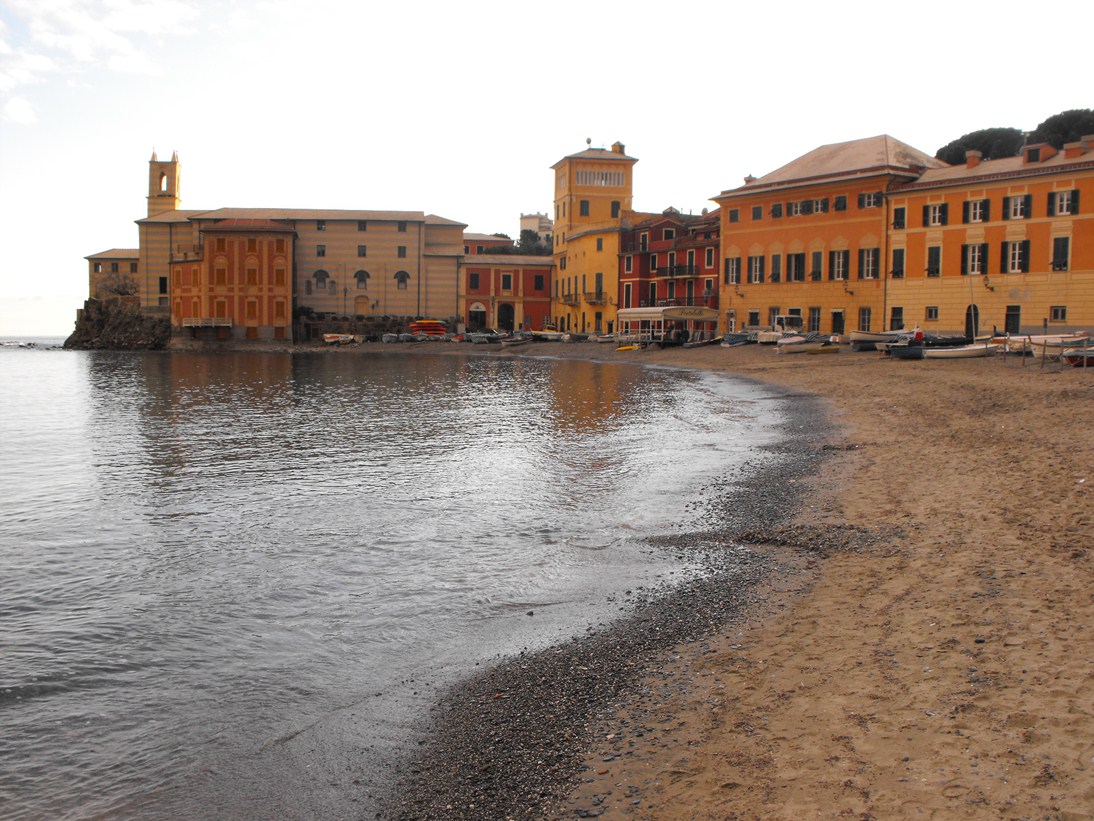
x=163 y=185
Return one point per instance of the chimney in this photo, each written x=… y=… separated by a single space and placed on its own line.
x=618 y=148
x=972 y=158
x=749 y=179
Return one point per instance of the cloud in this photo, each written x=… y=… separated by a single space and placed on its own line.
x=45 y=38
x=19 y=111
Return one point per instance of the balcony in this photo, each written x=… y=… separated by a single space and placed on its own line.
x=569 y=299
x=207 y=322
x=596 y=297
x=678 y=271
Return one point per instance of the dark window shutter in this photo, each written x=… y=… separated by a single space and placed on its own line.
x=944 y=212
x=984 y=258
x=965 y=211
x=761 y=269
x=926 y=215
x=1003 y=250
x=1025 y=255
x=831 y=264
x=861 y=263
x=807 y=206
x=1028 y=210
x=1052 y=203
x=987 y=210
x=861 y=200
x=1075 y=201
x=1006 y=208
x=841 y=203
x=964 y=260
x=824 y=205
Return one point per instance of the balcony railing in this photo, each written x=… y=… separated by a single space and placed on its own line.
x=703 y=300
x=568 y=299
x=596 y=297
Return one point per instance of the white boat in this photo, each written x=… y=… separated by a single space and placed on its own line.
x=1051 y=348
x=547 y=335
x=977 y=349
x=1027 y=343
x=805 y=343
x=1079 y=357
x=872 y=340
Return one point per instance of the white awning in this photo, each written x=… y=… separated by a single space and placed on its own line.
x=668 y=313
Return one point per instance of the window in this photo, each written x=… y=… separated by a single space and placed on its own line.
x=871 y=200
x=1012 y=320
x=132 y=267
x=643 y=241
x=473 y=282
x=279 y=276
x=772 y=312
x=777 y=210
x=733 y=270
x=838 y=262
x=815 y=272
x=320 y=225
x=113 y=267
x=362 y=250
x=362 y=225
x=896 y=319
x=615 y=209
x=402 y=229
x=757 y=212
x=840 y=203
x=1063 y=203
x=1014 y=257
x=320 y=278
x=793 y=209
x=898 y=263
x=1017 y=207
x=539 y=282
x=976 y=211
x=864 y=318
x=753 y=318
x=320 y=250
x=627 y=295
x=795 y=267
x=401 y=279
x=98 y=267
x=668 y=233
x=600 y=243
x=899 y=218
x=868 y=263
x=1061 y=246
x=734 y=215
x=584 y=208
x=931 y=313
x=814 y=320
x=252 y=245
x=709 y=261
x=220 y=276
x=252 y=276
x=776 y=267
x=934 y=215
x=279 y=246
x=820 y=206
x=362 y=279
x=401 y=252
x=628 y=264
x=974 y=259
x=1058 y=313
x=507 y=282
x=163 y=285
x=653 y=293
x=934 y=261
x=756 y=269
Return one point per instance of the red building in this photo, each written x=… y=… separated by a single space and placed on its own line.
x=509 y=292
x=669 y=259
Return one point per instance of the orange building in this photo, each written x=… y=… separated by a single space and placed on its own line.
x=241 y=283
x=809 y=239
x=114 y=273
x=506 y=291
x=1004 y=244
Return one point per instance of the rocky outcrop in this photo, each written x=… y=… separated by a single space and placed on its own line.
x=115 y=324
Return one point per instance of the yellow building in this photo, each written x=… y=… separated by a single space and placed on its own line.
x=592 y=194
x=113 y=273
x=996 y=245
x=809 y=239
x=344 y=262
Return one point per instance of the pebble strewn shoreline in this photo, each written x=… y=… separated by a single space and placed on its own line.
x=508 y=742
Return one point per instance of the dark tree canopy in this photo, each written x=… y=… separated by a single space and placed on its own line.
x=992 y=143
x=1065 y=127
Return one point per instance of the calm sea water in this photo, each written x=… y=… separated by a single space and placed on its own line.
x=231 y=584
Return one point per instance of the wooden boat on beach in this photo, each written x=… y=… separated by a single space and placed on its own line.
x=972 y=351
x=1079 y=357
x=806 y=343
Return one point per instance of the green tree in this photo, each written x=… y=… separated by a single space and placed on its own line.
x=531 y=244
x=992 y=143
x=1065 y=127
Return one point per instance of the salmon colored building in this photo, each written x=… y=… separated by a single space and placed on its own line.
x=484 y=243
x=997 y=245
x=810 y=238
x=669 y=259
x=592 y=194
x=508 y=292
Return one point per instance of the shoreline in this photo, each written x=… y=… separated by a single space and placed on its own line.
x=937 y=667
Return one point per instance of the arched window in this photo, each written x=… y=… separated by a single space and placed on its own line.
x=362 y=279
x=321 y=278
x=401 y=278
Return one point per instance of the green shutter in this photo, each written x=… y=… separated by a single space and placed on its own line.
x=987 y=210
x=965 y=211
x=1006 y=208
x=1025 y=256
x=831 y=265
x=1075 y=201
x=926 y=215
x=964 y=260
x=1028 y=209
x=984 y=258
x=1003 y=252
x=1052 y=203
x=945 y=213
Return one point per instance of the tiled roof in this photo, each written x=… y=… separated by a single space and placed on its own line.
x=596 y=154
x=170 y=216
x=872 y=155
x=1004 y=167
x=485 y=237
x=251 y=225
x=117 y=253
x=433 y=219
x=310 y=214
x=506 y=260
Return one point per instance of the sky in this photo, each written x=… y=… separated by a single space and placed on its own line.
x=460 y=109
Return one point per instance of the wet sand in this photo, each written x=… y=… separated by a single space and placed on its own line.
x=913 y=641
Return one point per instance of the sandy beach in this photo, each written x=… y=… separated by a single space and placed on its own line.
x=921 y=648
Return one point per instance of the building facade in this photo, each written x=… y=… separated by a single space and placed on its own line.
x=113 y=273
x=1000 y=245
x=809 y=238
x=592 y=195
x=669 y=259
x=509 y=292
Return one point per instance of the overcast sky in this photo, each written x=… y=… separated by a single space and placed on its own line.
x=460 y=109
